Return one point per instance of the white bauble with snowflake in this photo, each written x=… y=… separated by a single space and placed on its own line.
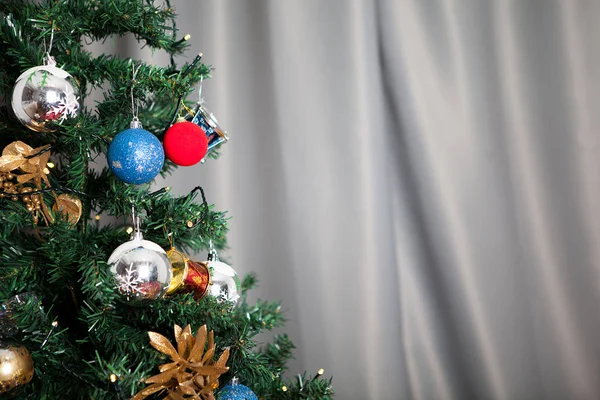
x=142 y=269
x=45 y=94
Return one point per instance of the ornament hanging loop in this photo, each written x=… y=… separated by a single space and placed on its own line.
x=200 y=98
x=137 y=232
x=212 y=253
x=135 y=121
x=48 y=59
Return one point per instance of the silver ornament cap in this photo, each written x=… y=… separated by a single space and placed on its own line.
x=142 y=269
x=45 y=94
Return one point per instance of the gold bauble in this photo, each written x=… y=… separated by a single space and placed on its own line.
x=68 y=205
x=16 y=367
x=179 y=262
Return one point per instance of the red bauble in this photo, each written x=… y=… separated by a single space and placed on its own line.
x=185 y=143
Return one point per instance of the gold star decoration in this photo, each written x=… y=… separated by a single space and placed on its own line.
x=192 y=374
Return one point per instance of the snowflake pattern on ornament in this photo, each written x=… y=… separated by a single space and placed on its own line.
x=129 y=282
x=67 y=107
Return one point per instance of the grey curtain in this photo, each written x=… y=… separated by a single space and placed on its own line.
x=418 y=181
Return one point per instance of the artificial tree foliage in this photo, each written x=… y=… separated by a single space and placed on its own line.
x=77 y=328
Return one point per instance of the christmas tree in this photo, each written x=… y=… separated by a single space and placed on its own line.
x=118 y=310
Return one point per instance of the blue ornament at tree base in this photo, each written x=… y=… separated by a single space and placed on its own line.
x=135 y=155
x=236 y=391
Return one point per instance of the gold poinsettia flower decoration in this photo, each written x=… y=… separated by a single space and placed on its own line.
x=192 y=374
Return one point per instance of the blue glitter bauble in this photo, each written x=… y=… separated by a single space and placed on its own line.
x=236 y=392
x=135 y=156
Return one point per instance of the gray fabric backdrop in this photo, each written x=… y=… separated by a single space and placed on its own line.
x=418 y=182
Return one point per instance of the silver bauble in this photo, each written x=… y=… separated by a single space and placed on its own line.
x=44 y=94
x=142 y=269
x=225 y=282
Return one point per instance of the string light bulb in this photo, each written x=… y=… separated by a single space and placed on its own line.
x=184 y=39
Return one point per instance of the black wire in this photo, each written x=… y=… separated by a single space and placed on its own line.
x=117 y=389
x=159 y=191
x=182 y=75
x=79 y=377
x=191 y=66
x=106 y=142
x=176 y=113
x=47 y=190
x=196 y=189
x=39 y=153
x=62 y=189
x=204 y=203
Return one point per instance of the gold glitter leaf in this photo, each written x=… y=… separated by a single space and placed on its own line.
x=175 y=396
x=178 y=331
x=162 y=344
x=145 y=392
x=223 y=359
x=17 y=148
x=165 y=367
x=11 y=162
x=198 y=348
x=163 y=377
